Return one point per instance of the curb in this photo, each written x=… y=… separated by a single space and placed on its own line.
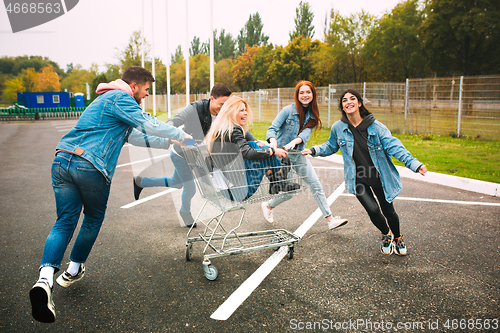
x=467 y=184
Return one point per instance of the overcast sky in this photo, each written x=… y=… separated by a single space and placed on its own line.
x=94 y=30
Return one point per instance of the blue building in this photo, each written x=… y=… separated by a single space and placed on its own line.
x=36 y=100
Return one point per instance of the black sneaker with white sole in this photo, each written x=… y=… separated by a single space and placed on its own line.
x=42 y=305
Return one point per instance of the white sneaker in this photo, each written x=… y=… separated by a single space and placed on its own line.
x=268 y=213
x=66 y=279
x=336 y=222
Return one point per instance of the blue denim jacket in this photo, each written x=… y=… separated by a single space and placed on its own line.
x=111 y=120
x=286 y=125
x=381 y=145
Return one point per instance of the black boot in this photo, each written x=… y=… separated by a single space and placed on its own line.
x=274 y=184
x=286 y=186
x=286 y=166
x=137 y=187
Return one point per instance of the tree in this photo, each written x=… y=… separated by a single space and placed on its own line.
x=242 y=70
x=6 y=65
x=293 y=62
x=394 y=48
x=223 y=74
x=29 y=78
x=69 y=68
x=12 y=87
x=77 y=79
x=462 y=36
x=197 y=47
x=251 y=34
x=262 y=60
x=199 y=73
x=303 y=21
x=347 y=35
x=112 y=72
x=101 y=78
x=48 y=80
x=178 y=77
x=224 y=45
x=132 y=55
x=178 y=56
x=325 y=66
x=35 y=62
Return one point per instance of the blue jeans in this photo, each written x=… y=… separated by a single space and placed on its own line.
x=182 y=178
x=307 y=172
x=76 y=183
x=255 y=171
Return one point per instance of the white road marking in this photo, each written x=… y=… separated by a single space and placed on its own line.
x=246 y=288
x=331 y=168
x=151 y=197
x=458 y=202
x=141 y=161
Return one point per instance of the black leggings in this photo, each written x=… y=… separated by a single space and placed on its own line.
x=365 y=196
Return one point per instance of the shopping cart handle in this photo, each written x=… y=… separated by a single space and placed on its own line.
x=190 y=142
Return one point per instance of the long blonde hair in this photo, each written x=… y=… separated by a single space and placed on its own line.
x=226 y=121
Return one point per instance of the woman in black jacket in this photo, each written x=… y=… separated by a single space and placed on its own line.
x=239 y=165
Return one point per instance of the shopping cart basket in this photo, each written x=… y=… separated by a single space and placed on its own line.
x=217 y=188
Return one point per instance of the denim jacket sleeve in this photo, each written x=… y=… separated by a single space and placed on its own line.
x=127 y=110
x=330 y=146
x=305 y=135
x=138 y=138
x=394 y=147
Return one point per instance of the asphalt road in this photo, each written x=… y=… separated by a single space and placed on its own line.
x=138 y=280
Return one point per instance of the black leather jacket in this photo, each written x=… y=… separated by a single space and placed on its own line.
x=197 y=120
x=236 y=143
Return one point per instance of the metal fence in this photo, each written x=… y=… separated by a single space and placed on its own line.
x=462 y=106
x=17 y=113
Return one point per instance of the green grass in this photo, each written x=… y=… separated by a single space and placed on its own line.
x=463 y=157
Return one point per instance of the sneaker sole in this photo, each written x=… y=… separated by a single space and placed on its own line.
x=66 y=283
x=387 y=254
x=399 y=253
x=40 y=306
x=340 y=225
x=263 y=213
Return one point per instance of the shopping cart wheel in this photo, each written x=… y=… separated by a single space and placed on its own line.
x=211 y=272
x=189 y=250
x=290 y=252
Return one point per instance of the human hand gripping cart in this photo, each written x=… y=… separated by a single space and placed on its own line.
x=230 y=191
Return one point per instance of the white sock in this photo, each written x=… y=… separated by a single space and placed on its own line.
x=47 y=272
x=73 y=268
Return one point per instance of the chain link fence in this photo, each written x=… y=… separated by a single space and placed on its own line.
x=454 y=106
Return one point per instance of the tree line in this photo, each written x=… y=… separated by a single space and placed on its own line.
x=417 y=38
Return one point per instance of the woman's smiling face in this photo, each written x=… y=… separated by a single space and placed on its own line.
x=350 y=103
x=305 y=95
x=241 y=116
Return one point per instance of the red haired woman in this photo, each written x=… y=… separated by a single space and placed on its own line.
x=291 y=129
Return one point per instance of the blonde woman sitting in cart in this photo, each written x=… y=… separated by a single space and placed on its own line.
x=240 y=165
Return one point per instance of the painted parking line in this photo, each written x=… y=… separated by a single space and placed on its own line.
x=331 y=168
x=141 y=161
x=246 y=288
x=457 y=202
x=151 y=197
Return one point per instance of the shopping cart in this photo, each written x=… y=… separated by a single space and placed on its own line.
x=223 y=187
